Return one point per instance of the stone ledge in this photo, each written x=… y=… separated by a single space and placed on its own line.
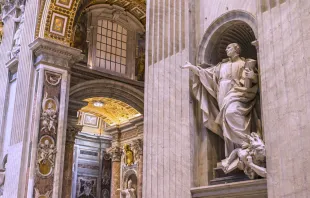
x=56 y=54
x=244 y=189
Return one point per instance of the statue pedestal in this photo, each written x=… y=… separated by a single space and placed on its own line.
x=245 y=189
x=221 y=178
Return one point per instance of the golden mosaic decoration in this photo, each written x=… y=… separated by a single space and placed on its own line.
x=113 y=112
x=69 y=8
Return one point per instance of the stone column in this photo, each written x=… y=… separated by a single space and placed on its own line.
x=72 y=130
x=138 y=151
x=52 y=62
x=115 y=153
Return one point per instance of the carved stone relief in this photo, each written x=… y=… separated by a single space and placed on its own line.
x=46 y=156
x=106 y=176
x=87 y=187
x=50 y=108
x=251 y=158
x=47 y=137
x=8 y=5
x=38 y=195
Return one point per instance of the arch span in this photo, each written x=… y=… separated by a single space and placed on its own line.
x=110 y=89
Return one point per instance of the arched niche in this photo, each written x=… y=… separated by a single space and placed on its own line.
x=130 y=175
x=232 y=27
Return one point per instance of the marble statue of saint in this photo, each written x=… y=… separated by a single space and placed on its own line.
x=130 y=192
x=17 y=36
x=227 y=94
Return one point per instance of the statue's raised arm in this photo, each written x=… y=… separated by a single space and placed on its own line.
x=190 y=66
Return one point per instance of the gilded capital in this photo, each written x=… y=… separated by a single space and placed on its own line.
x=72 y=130
x=115 y=153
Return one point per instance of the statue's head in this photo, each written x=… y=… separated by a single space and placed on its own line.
x=233 y=49
x=22 y=8
x=126 y=147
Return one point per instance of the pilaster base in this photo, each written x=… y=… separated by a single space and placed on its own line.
x=245 y=189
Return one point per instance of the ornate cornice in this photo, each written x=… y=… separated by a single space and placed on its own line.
x=115 y=153
x=53 y=53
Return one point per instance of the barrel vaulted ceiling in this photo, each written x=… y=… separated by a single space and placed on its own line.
x=112 y=111
x=57 y=17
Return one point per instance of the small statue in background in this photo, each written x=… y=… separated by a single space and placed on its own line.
x=17 y=36
x=2 y=175
x=130 y=192
x=129 y=157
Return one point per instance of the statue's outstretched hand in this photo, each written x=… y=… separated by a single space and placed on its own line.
x=187 y=65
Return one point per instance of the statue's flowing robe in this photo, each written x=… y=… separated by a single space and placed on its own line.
x=129 y=193
x=225 y=103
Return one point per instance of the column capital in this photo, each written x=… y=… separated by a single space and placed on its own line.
x=52 y=53
x=72 y=130
x=115 y=153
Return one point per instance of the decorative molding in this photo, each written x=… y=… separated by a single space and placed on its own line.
x=237 y=189
x=49 y=52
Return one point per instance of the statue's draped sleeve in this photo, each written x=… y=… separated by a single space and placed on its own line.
x=205 y=86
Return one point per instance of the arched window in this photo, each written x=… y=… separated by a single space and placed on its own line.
x=111 y=46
